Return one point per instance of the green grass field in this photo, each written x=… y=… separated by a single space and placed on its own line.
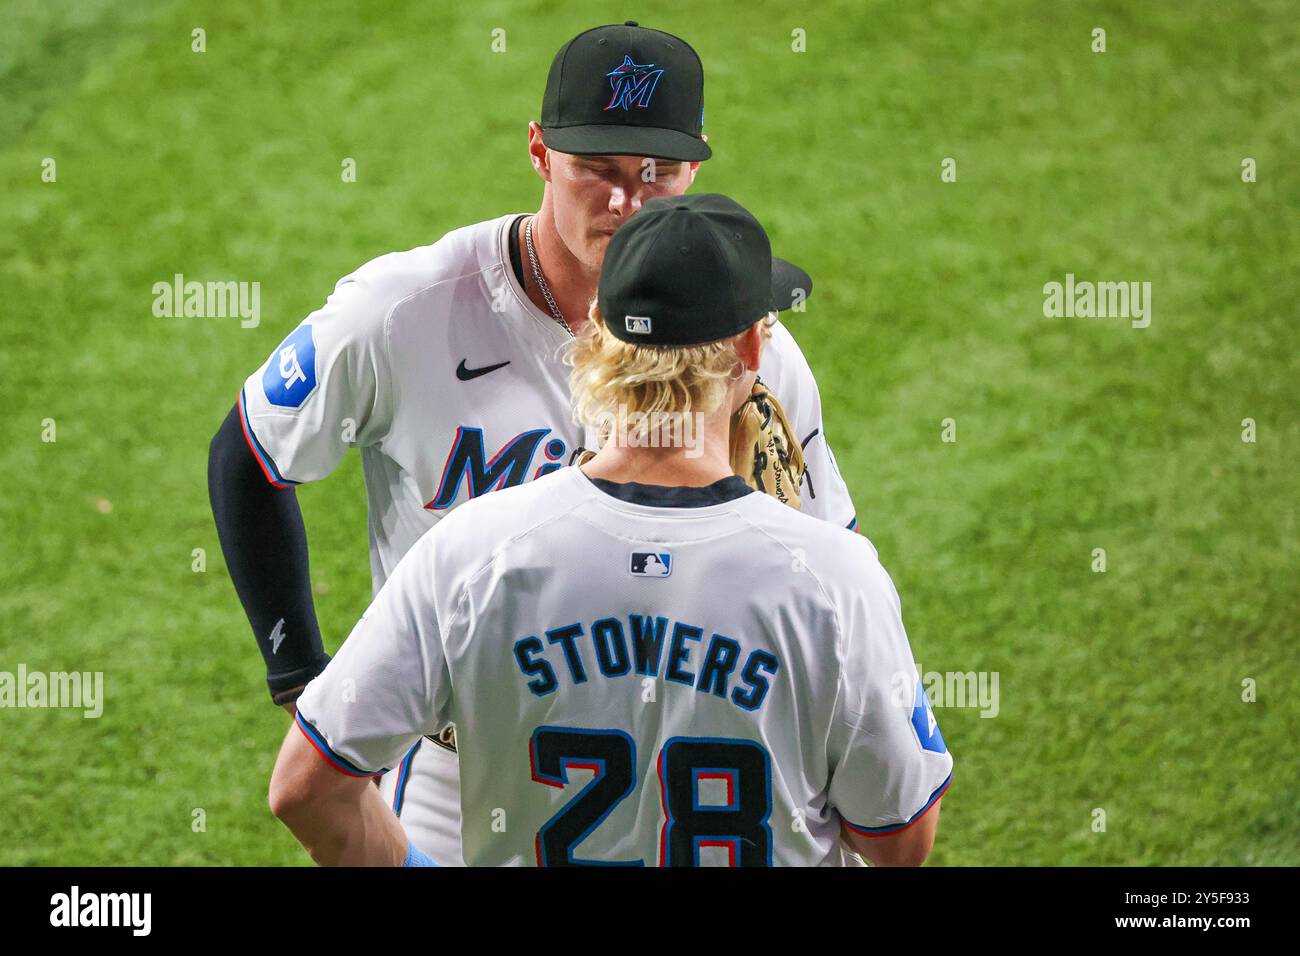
x=1119 y=690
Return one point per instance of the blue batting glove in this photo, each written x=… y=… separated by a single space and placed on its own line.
x=416 y=857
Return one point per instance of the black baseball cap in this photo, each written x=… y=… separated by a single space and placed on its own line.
x=686 y=270
x=625 y=90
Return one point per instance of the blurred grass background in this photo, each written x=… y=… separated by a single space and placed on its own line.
x=1120 y=691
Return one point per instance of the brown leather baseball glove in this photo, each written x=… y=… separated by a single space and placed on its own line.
x=764 y=449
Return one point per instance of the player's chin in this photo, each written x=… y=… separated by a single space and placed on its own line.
x=597 y=244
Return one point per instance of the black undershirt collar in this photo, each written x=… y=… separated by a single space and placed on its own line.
x=675 y=496
x=516 y=257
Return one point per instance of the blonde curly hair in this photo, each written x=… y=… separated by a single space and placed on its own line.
x=612 y=379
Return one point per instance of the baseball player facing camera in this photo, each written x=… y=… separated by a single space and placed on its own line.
x=620 y=697
x=442 y=366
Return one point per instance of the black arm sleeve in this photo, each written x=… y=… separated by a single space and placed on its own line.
x=265 y=545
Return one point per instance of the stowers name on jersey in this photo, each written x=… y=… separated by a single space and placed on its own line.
x=639 y=648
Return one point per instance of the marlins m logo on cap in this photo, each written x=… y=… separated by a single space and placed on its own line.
x=633 y=84
x=625 y=90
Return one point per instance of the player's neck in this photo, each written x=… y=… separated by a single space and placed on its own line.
x=691 y=457
x=572 y=285
x=655 y=466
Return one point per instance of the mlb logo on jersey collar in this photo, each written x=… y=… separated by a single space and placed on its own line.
x=651 y=564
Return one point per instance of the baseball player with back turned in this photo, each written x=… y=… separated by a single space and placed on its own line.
x=442 y=365
x=616 y=711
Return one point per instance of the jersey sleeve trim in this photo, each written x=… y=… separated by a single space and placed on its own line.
x=404 y=777
x=853 y=523
x=264 y=460
x=339 y=763
x=899 y=827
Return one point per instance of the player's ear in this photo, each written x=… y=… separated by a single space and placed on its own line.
x=749 y=346
x=538 y=154
x=694 y=168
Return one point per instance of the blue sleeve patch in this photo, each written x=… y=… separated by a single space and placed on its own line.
x=290 y=375
x=924 y=723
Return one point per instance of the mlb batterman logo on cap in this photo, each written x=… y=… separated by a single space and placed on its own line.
x=686 y=270
x=624 y=90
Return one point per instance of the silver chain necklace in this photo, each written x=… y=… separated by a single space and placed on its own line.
x=540 y=279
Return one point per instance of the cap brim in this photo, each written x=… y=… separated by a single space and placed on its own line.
x=790 y=284
x=627 y=141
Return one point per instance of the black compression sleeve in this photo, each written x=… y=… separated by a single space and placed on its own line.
x=265 y=544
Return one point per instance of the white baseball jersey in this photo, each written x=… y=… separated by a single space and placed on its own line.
x=642 y=676
x=436 y=364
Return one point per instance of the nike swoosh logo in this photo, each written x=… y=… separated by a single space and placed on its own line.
x=465 y=374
